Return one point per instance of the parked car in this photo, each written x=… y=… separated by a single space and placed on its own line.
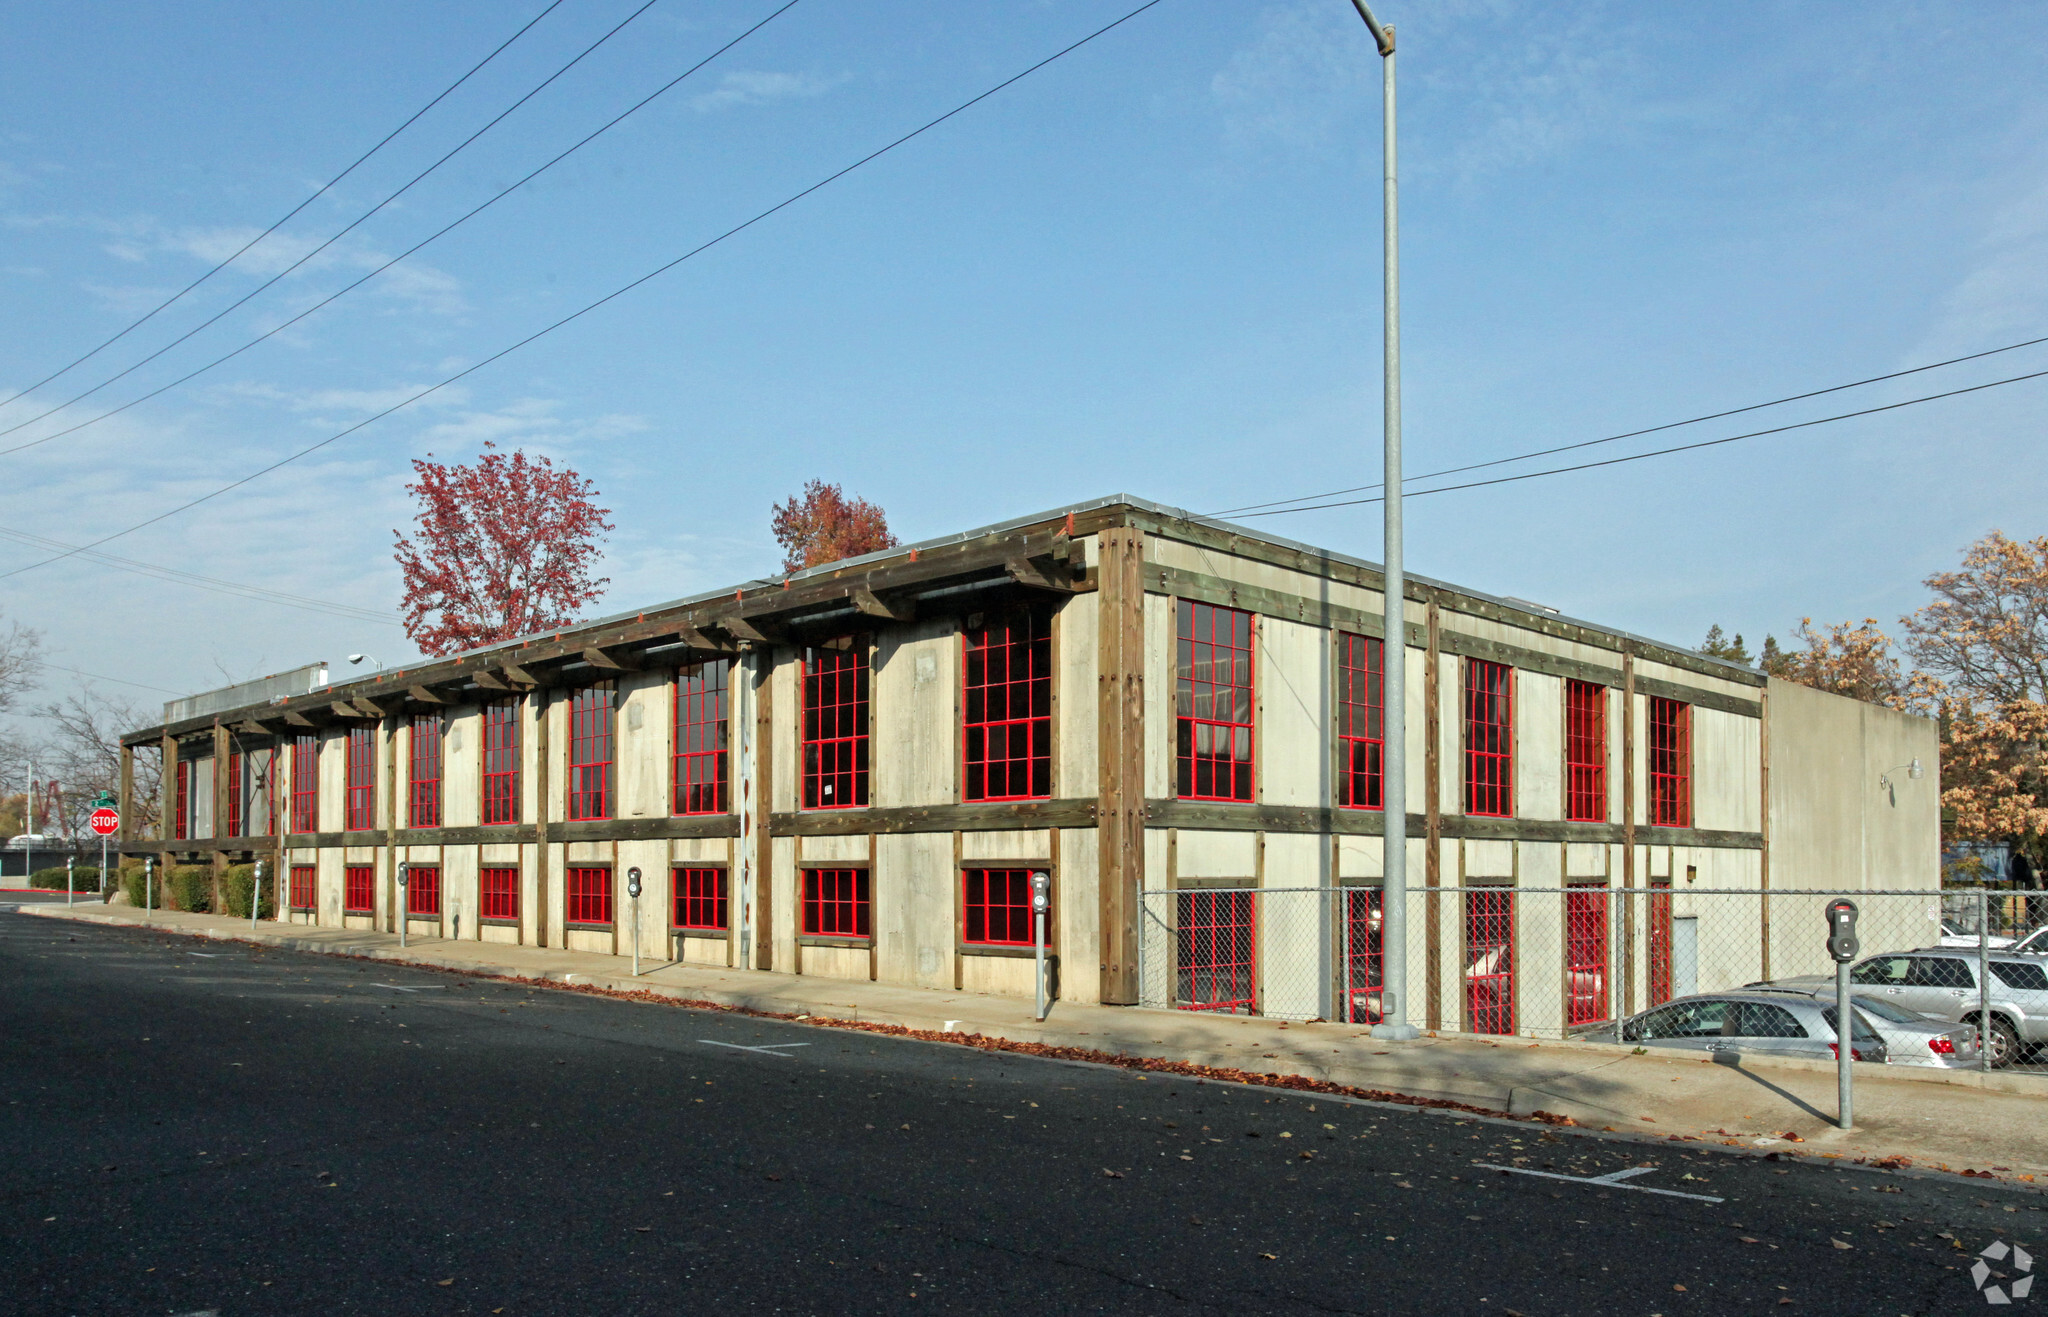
x=1955 y=935
x=1762 y=1023
x=1909 y=1039
x=2033 y=944
x=1940 y=983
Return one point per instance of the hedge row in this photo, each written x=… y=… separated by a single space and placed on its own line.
x=83 y=879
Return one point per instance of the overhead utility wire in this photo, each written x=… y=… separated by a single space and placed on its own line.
x=1635 y=434
x=99 y=676
x=432 y=237
x=1664 y=452
x=592 y=306
x=351 y=227
x=288 y=215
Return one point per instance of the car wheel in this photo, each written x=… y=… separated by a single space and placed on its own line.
x=2004 y=1043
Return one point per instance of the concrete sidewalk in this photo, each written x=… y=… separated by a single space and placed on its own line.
x=1948 y=1120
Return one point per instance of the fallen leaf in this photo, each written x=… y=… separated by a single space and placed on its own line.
x=1114 y=1175
x=1839 y=1244
x=1270 y=1257
x=1747 y=1240
x=449 y=1281
x=1679 y=1288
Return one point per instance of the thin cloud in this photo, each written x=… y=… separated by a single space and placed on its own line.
x=758 y=88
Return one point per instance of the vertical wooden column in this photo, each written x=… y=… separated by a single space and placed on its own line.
x=127 y=793
x=1120 y=745
x=1628 y=826
x=221 y=747
x=1432 y=807
x=390 y=728
x=281 y=875
x=539 y=700
x=763 y=806
x=167 y=809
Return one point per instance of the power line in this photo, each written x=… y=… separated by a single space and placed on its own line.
x=592 y=306
x=1664 y=452
x=97 y=676
x=267 y=283
x=1655 y=429
x=321 y=191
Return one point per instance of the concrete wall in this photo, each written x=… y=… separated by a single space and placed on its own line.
x=1832 y=825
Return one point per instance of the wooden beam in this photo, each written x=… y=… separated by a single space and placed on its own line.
x=1028 y=572
x=513 y=672
x=343 y=709
x=294 y=718
x=758 y=630
x=612 y=661
x=872 y=604
x=490 y=681
x=696 y=639
x=1120 y=750
x=251 y=727
x=426 y=695
x=370 y=707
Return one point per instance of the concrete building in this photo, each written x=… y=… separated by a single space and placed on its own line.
x=852 y=771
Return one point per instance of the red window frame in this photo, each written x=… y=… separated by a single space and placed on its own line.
x=305 y=783
x=592 y=712
x=498 y=892
x=501 y=762
x=697 y=898
x=1490 y=960
x=303 y=887
x=423 y=797
x=995 y=908
x=1489 y=739
x=1216 y=940
x=235 y=794
x=1361 y=714
x=1365 y=955
x=587 y=894
x=359 y=889
x=835 y=732
x=1660 y=941
x=1585 y=953
x=423 y=890
x=1006 y=745
x=359 y=808
x=1670 y=753
x=837 y=903
x=1585 y=752
x=1214 y=705
x=182 y=814
x=702 y=695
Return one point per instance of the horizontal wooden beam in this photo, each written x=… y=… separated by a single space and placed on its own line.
x=976 y=817
x=612 y=660
x=759 y=631
x=873 y=605
x=427 y=695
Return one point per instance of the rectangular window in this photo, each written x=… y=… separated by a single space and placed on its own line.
x=235 y=794
x=1489 y=738
x=700 y=744
x=836 y=726
x=590 y=752
x=305 y=784
x=423 y=801
x=359 y=889
x=1213 y=696
x=302 y=887
x=996 y=908
x=361 y=801
x=1585 y=752
x=1364 y=946
x=423 y=890
x=836 y=903
x=697 y=899
x=257 y=798
x=1670 y=763
x=1361 y=678
x=182 y=816
x=501 y=762
x=1585 y=953
x=498 y=888
x=1216 y=945
x=590 y=895
x=1008 y=711
x=1660 y=941
x=1490 y=960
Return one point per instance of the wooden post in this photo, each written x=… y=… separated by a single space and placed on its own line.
x=391 y=815
x=127 y=792
x=1120 y=739
x=539 y=700
x=167 y=808
x=1432 y=805
x=763 y=805
x=221 y=747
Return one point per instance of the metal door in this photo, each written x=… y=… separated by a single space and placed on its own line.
x=1685 y=956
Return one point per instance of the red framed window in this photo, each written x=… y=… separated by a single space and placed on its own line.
x=700 y=740
x=697 y=899
x=1213 y=695
x=1008 y=710
x=1364 y=955
x=423 y=890
x=1361 y=706
x=359 y=889
x=182 y=816
x=1660 y=941
x=1489 y=738
x=1490 y=960
x=836 y=726
x=837 y=903
x=589 y=893
x=501 y=762
x=423 y=798
x=1216 y=942
x=301 y=896
x=498 y=890
x=590 y=752
x=1585 y=752
x=996 y=908
x=1670 y=763
x=305 y=784
x=1585 y=953
x=360 y=804
x=235 y=795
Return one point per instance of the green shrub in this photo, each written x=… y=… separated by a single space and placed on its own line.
x=83 y=879
x=234 y=891
x=132 y=882
x=192 y=888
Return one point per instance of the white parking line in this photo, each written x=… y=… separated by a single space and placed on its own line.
x=769 y=1050
x=1611 y=1180
x=395 y=988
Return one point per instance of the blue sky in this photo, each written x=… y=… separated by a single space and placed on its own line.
x=1152 y=266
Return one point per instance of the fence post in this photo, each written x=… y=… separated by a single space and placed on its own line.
x=1983 y=978
x=1613 y=959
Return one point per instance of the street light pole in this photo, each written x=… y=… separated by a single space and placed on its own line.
x=1394 y=1011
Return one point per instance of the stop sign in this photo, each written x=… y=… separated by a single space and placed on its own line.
x=105 y=822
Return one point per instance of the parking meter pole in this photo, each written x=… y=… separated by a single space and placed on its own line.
x=1984 y=1034
x=1041 y=902
x=148 y=886
x=633 y=891
x=256 y=896
x=70 y=890
x=402 y=914
x=1845 y=1047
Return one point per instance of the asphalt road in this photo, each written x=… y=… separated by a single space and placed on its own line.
x=195 y=1127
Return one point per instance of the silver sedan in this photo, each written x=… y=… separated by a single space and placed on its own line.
x=1909 y=1039
x=1749 y=1021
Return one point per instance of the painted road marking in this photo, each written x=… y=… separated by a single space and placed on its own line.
x=210 y=955
x=768 y=1050
x=1611 y=1180
x=395 y=988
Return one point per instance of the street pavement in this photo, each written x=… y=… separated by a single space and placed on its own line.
x=233 y=1129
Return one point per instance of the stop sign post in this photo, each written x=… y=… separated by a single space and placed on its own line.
x=104 y=820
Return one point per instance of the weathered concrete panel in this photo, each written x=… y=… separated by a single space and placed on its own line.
x=914 y=904
x=1022 y=844
x=1832 y=825
x=1214 y=854
x=915 y=731
x=1539 y=746
x=1076 y=769
x=1291 y=672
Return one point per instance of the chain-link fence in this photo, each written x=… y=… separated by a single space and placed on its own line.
x=1582 y=961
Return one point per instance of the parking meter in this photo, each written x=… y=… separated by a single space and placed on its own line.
x=1041 y=902
x=403 y=915
x=633 y=890
x=1842 y=946
x=633 y=883
x=1842 y=931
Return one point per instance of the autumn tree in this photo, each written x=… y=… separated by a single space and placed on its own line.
x=1986 y=633
x=823 y=525
x=1845 y=659
x=504 y=548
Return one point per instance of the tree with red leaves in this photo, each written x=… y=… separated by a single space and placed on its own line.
x=505 y=549
x=824 y=526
